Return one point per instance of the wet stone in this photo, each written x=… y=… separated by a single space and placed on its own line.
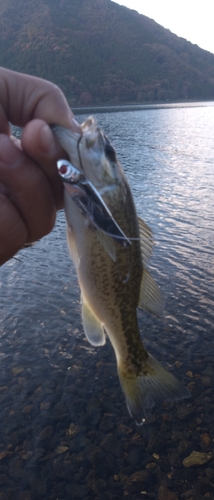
x=155 y=444
x=183 y=446
x=133 y=456
x=22 y=380
x=80 y=475
x=61 y=449
x=26 y=455
x=16 y=370
x=209 y=473
x=46 y=433
x=206 y=381
x=165 y=494
x=197 y=458
x=72 y=430
x=24 y=495
x=16 y=473
x=204 y=486
x=65 y=471
x=136 y=481
x=101 y=484
x=124 y=430
x=114 y=485
x=4 y=479
x=185 y=411
x=27 y=409
x=94 y=454
x=4 y=454
x=112 y=445
x=26 y=445
x=60 y=410
x=205 y=438
x=77 y=491
x=3 y=388
x=107 y=423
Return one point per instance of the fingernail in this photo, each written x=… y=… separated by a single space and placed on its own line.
x=47 y=143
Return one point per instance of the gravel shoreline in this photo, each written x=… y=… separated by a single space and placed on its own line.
x=66 y=433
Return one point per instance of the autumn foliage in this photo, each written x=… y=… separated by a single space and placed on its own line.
x=100 y=52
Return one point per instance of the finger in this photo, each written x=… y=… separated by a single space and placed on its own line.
x=28 y=188
x=13 y=232
x=40 y=144
x=33 y=98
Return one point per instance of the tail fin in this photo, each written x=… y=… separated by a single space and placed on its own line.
x=155 y=384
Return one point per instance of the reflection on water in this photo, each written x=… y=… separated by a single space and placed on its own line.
x=65 y=431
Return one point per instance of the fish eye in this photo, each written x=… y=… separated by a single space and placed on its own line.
x=110 y=153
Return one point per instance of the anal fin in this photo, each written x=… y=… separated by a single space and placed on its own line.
x=93 y=329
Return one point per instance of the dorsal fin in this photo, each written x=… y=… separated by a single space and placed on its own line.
x=146 y=240
x=150 y=295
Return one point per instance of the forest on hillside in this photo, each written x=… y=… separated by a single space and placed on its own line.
x=99 y=52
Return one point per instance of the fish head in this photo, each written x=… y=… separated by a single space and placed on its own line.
x=92 y=153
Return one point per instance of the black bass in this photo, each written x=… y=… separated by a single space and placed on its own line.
x=113 y=277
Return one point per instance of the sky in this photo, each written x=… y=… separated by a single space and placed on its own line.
x=190 y=19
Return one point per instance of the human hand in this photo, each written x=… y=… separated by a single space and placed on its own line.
x=31 y=191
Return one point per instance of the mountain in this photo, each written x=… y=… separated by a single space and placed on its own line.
x=100 y=52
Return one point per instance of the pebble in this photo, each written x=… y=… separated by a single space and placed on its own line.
x=27 y=409
x=61 y=449
x=184 y=411
x=189 y=374
x=206 y=381
x=197 y=458
x=205 y=438
x=16 y=370
x=210 y=473
x=3 y=388
x=72 y=430
x=178 y=364
x=165 y=494
x=24 y=495
x=4 y=454
x=77 y=491
x=4 y=479
x=111 y=444
x=26 y=455
x=46 y=433
x=137 y=481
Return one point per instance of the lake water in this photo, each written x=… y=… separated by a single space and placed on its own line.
x=65 y=430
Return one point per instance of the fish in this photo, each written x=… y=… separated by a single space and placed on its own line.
x=114 y=279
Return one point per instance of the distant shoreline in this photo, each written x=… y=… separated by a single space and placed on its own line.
x=106 y=108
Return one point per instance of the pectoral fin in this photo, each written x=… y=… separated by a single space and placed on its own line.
x=72 y=247
x=93 y=329
x=108 y=244
x=150 y=295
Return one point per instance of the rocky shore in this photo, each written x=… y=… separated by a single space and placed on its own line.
x=66 y=433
